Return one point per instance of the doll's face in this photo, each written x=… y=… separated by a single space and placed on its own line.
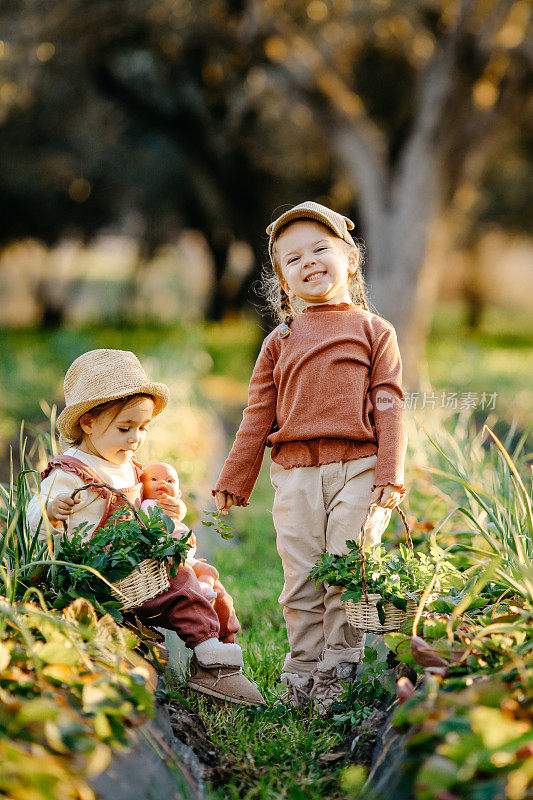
x=159 y=481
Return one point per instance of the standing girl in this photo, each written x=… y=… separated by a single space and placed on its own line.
x=326 y=396
x=109 y=404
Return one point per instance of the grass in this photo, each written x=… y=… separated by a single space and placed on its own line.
x=496 y=357
x=274 y=753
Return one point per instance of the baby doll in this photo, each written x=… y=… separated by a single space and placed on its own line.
x=160 y=482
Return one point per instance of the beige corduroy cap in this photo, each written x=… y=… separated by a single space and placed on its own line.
x=331 y=219
x=98 y=376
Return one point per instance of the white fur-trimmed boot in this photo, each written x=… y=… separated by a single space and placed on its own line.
x=216 y=670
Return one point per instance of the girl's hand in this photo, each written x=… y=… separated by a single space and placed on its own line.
x=173 y=507
x=61 y=507
x=386 y=496
x=224 y=501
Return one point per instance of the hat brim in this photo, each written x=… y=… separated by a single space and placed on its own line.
x=297 y=213
x=68 y=420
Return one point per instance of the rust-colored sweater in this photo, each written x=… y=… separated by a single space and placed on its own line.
x=329 y=392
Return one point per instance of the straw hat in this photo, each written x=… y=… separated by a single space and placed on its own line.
x=102 y=375
x=315 y=211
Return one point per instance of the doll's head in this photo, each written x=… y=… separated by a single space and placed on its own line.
x=109 y=403
x=314 y=259
x=160 y=480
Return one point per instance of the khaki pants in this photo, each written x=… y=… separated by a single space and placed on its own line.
x=316 y=510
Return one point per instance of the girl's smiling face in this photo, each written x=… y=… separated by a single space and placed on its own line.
x=315 y=264
x=117 y=437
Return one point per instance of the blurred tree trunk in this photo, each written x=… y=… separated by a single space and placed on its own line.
x=474 y=289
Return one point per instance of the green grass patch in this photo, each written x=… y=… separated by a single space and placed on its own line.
x=233 y=345
x=273 y=753
x=495 y=357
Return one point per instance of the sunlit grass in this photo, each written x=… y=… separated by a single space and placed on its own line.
x=496 y=357
x=233 y=345
x=273 y=753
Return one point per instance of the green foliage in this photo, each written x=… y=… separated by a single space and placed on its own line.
x=492 y=491
x=70 y=688
x=360 y=698
x=396 y=575
x=471 y=743
x=114 y=551
x=22 y=554
x=220 y=524
x=470 y=736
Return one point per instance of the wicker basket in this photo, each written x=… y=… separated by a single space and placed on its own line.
x=364 y=615
x=143 y=584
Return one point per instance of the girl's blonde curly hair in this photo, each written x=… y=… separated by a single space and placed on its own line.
x=279 y=301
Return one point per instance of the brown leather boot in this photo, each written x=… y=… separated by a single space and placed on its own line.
x=223 y=681
x=298 y=689
x=327 y=686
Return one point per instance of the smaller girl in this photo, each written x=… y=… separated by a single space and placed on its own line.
x=326 y=396
x=110 y=403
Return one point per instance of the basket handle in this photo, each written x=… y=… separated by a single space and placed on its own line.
x=102 y=485
x=362 y=543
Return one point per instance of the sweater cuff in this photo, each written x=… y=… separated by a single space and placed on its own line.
x=401 y=488
x=241 y=501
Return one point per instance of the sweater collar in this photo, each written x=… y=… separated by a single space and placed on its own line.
x=333 y=307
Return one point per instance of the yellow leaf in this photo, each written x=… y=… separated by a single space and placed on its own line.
x=99 y=760
x=63 y=673
x=58 y=652
x=494 y=728
x=519 y=780
x=102 y=726
x=81 y=611
x=92 y=697
x=54 y=738
x=5 y=656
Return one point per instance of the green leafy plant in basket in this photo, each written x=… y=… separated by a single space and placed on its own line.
x=396 y=575
x=125 y=541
